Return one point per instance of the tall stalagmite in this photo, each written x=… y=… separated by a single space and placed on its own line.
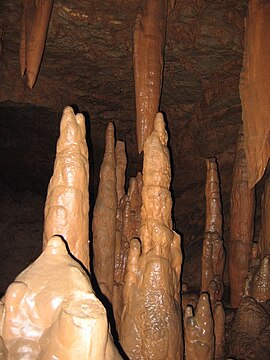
x=104 y=218
x=151 y=321
x=67 y=205
x=213 y=257
x=255 y=89
x=149 y=42
x=35 y=23
x=199 y=331
x=51 y=312
x=264 y=240
x=241 y=224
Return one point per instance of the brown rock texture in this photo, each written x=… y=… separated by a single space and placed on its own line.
x=104 y=218
x=199 y=331
x=151 y=320
x=258 y=281
x=148 y=58
x=219 y=330
x=241 y=224
x=35 y=22
x=264 y=239
x=250 y=332
x=50 y=311
x=255 y=89
x=67 y=203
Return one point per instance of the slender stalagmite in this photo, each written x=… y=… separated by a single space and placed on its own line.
x=104 y=219
x=67 y=205
x=241 y=224
x=199 y=331
x=151 y=321
x=213 y=258
x=149 y=42
x=264 y=240
x=255 y=89
x=51 y=312
x=219 y=330
x=121 y=164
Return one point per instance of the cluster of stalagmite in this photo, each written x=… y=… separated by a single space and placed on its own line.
x=51 y=312
x=151 y=319
x=241 y=224
x=67 y=205
x=255 y=89
x=104 y=218
x=213 y=257
x=35 y=21
x=149 y=42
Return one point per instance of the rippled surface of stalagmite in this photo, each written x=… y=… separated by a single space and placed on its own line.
x=213 y=257
x=67 y=203
x=35 y=23
x=258 y=281
x=241 y=224
x=149 y=40
x=51 y=312
x=264 y=240
x=151 y=322
x=199 y=331
x=255 y=89
x=219 y=330
x=104 y=218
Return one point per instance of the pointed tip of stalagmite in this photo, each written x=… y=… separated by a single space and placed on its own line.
x=109 y=142
x=211 y=163
x=203 y=306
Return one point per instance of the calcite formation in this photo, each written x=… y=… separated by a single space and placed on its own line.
x=67 y=204
x=241 y=224
x=199 y=331
x=104 y=218
x=35 y=22
x=213 y=257
x=219 y=330
x=264 y=240
x=255 y=89
x=151 y=320
x=51 y=312
x=257 y=283
x=149 y=42
x=250 y=331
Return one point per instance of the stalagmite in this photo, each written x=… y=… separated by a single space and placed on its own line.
x=67 y=204
x=151 y=321
x=259 y=284
x=264 y=240
x=51 y=312
x=199 y=331
x=149 y=42
x=121 y=164
x=219 y=330
x=241 y=224
x=35 y=23
x=255 y=89
x=213 y=257
x=104 y=219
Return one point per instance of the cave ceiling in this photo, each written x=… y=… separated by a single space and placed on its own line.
x=87 y=63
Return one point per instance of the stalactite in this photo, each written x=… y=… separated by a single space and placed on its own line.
x=219 y=330
x=104 y=219
x=199 y=331
x=151 y=320
x=264 y=240
x=51 y=312
x=255 y=89
x=149 y=42
x=241 y=224
x=67 y=204
x=35 y=23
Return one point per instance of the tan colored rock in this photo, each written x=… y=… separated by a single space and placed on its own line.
x=51 y=312
x=149 y=41
x=241 y=224
x=260 y=286
x=219 y=330
x=104 y=219
x=207 y=274
x=35 y=23
x=264 y=240
x=151 y=320
x=121 y=164
x=255 y=89
x=67 y=204
x=199 y=331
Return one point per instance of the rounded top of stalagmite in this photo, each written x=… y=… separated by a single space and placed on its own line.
x=159 y=127
x=56 y=246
